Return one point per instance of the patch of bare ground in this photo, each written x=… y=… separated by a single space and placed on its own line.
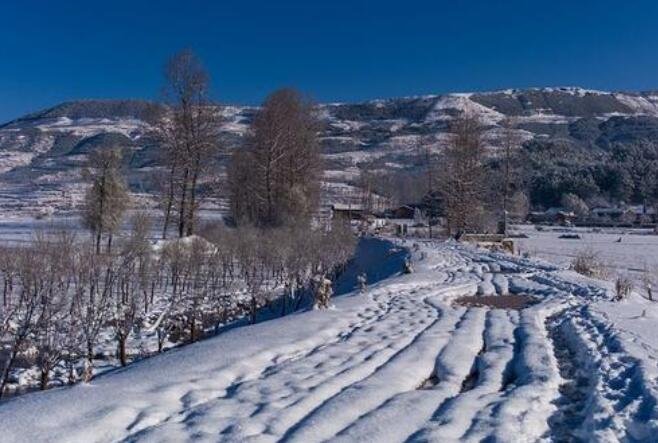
x=512 y=301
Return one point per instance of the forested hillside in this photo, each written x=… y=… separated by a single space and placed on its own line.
x=597 y=145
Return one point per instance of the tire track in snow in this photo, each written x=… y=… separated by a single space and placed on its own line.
x=272 y=402
x=312 y=425
x=388 y=406
x=529 y=384
x=606 y=394
x=404 y=413
x=201 y=392
x=455 y=417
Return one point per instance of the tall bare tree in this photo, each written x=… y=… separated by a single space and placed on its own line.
x=427 y=156
x=188 y=135
x=107 y=198
x=276 y=177
x=462 y=181
x=510 y=143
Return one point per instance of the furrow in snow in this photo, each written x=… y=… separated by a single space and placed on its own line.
x=606 y=394
x=527 y=401
x=270 y=404
x=456 y=415
x=375 y=407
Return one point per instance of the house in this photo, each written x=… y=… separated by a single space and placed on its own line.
x=552 y=216
x=611 y=213
x=403 y=212
x=623 y=215
x=644 y=214
x=348 y=211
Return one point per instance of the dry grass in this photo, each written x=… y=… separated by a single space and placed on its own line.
x=623 y=287
x=588 y=263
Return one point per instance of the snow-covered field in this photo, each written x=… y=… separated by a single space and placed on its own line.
x=398 y=362
x=632 y=252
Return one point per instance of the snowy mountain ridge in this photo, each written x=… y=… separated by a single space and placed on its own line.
x=41 y=154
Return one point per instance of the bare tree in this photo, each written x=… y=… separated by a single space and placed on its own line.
x=125 y=301
x=53 y=322
x=276 y=177
x=462 y=181
x=21 y=322
x=294 y=242
x=93 y=279
x=195 y=297
x=107 y=198
x=253 y=270
x=366 y=184
x=511 y=142
x=188 y=135
x=430 y=195
x=222 y=268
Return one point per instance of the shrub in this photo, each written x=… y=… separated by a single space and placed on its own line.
x=588 y=263
x=623 y=287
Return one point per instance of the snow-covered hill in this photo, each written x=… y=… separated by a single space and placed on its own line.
x=41 y=154
x=400 y=362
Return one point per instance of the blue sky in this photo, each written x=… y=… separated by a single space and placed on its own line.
x=52 y=51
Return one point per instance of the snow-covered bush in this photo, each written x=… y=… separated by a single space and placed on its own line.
x=588 y=263
x=623 y=287
x=323 y=292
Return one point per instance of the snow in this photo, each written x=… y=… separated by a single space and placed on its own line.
x=548 y=119
x=573 y=90
x=397 y=362
x=87 y=127
x=12 y=159
x=356 y=157
x=639 y=104
x=345 y=125
x=463 y=103
x=636 y=253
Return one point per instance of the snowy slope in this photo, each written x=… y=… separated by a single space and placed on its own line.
x=399 y=362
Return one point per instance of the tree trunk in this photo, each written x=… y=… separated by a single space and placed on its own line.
x=101 y=215
x=182 y=215
x=98 y=241
x=89 y=364
x=45 y=377
x=72 y=375
x=160 y=340
x=253 y=309
x=192 y=330
x=170 y=202
x=192 y=205
x=122 y=351
x=7 y=369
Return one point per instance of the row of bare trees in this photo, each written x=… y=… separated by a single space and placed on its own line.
x=61 y=299
x=476 y=190
x=472 y=186
x=273 y=177
x=66 y=300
